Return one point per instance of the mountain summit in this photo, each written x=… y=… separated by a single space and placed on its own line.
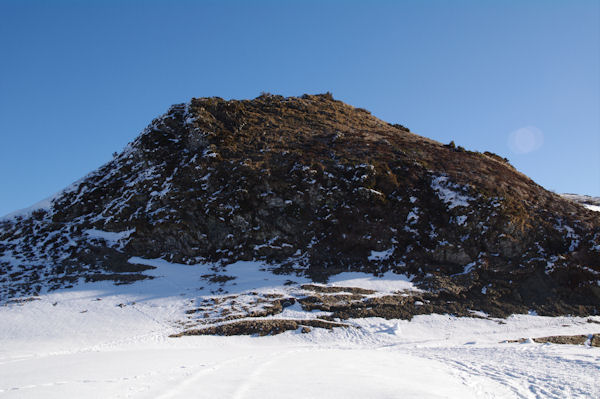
x=313 y=187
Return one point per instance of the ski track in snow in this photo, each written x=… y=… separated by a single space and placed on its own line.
x=99 y=340
x=519 y=369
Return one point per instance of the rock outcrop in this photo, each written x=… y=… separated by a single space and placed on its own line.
x=314 y=187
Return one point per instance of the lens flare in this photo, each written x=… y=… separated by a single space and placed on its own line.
x=525 y=140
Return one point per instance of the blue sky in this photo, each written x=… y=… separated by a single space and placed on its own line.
x=79 y=80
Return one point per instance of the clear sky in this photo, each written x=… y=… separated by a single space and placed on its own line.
x=79 y=80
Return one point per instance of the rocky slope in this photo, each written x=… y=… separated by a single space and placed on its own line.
x=313 y=187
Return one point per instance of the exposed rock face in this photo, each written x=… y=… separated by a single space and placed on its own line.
x=315 y=187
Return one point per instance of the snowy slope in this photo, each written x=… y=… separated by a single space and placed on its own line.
x=100 y=340
x=592 y=203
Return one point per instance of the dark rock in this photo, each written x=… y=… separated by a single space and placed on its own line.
x=260 y=327
x=591 y=340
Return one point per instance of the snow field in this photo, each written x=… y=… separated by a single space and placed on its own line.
x=100 y=340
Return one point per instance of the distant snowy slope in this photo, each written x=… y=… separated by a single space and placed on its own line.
x=592 y=203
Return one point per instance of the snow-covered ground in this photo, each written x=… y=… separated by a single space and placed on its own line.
x=100 y=340
x=592 y=203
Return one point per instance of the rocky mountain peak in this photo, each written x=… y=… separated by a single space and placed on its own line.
x=312 y=186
